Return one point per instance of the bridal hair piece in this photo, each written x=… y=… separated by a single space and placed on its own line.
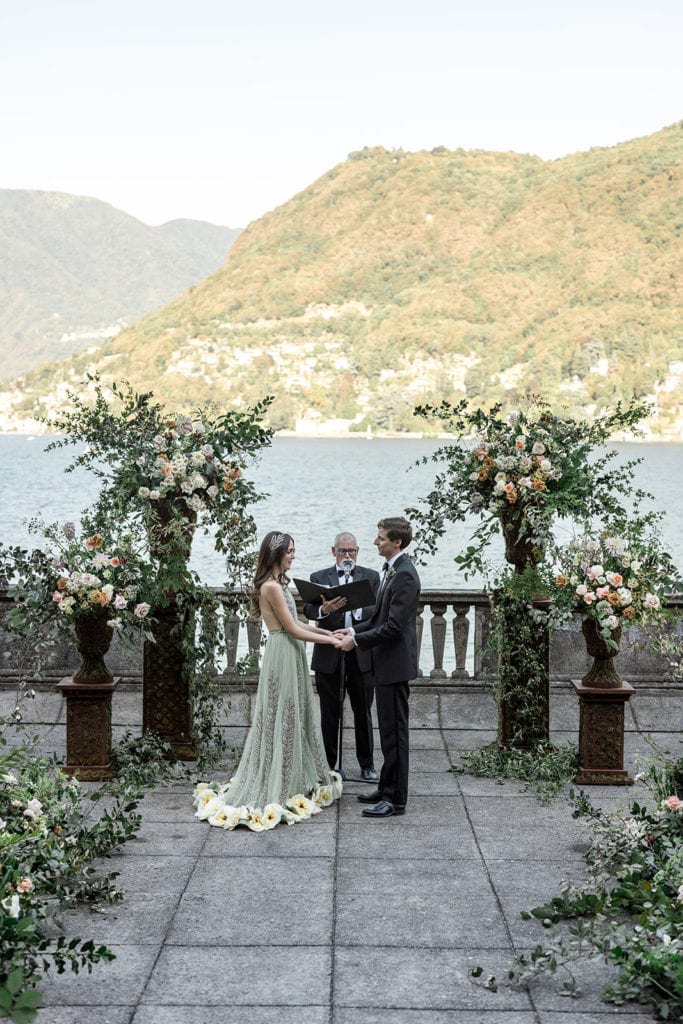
x=276 y=541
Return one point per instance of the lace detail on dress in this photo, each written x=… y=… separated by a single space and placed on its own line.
x=283 y=773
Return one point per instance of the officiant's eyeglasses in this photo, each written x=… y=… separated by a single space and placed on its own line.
x=347 y=551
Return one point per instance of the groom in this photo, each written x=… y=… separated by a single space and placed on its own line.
x=391 y=637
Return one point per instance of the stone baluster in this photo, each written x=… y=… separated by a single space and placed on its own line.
x=483 y=656
x=419 y=626
x=461 y=632
x=232 y=634
x=254 y=633
x=438 y=627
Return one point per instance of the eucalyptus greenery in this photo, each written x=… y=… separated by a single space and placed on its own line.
x=629 y=910
x=532 y=465
x=544 y=770
x=51 y=843
x=166 y=474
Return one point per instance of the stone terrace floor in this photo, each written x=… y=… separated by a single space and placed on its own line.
x=344 y=920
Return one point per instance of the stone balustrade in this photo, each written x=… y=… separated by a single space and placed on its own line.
x=453 y=629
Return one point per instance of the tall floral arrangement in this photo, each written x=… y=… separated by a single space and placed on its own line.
x=518 y=473
x=165 y=474
x=149 y=459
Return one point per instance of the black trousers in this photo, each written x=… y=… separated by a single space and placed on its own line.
x=358 y=685
x=394 y=735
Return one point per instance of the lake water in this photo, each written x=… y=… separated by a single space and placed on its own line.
x=315 y=487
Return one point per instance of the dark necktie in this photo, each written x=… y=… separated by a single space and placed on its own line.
x=384 y=577
x=343 y=572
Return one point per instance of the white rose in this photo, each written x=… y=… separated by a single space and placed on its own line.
x=154 y=495
x=255 y=821
x=323 y=796
x=34 y=809
x=545 y=465
x=474 y=476
x=219 y=817
x=651 y=601
x=11 y=904
x=141 y=610
x=208 y=805
x=635 y=565
x=143 y=492
x=273 y=815
x=234 y=815
x=212 y=491
x=538 y=448
x=581 y=590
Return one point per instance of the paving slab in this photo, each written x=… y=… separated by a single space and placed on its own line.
x=237 y=976
x=429 y=979
x=86 y=1014
x=244 y=1014
x=119 y=983
x=317 y=837
x=373 y=839
x=368 y=1015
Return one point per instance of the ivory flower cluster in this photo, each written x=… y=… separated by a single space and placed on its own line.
x=180 y=462
x=517 y=470
x=612 y=581
x=90 y=575
x=212 y=807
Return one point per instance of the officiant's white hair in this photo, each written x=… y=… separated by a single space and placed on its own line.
x=344 y=533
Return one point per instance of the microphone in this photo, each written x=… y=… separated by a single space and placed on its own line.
x=347 y=566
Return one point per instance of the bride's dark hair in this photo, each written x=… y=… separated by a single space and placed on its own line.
x=274 y=547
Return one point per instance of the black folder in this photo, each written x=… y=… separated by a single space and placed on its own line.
x=358 y=594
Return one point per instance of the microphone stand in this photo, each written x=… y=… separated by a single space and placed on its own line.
x=348 y=566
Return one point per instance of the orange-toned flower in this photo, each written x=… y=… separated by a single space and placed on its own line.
x=62 y=583
x=228 y=486
x=538 y=485
x=489 y=463
x=561 y=580
x=94 y=543
x=482 y=475
x=614 y=599
x=97 y=597
x=629 y=613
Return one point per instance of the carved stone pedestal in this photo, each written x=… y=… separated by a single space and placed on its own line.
x=601 y=735
x=167 y=696
x=88 y=728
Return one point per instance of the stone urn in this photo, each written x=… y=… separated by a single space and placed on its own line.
x=88 y=695
x=602 y=675
x=93 y=639
x=520 y=551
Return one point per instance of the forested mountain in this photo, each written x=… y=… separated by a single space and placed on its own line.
x=398 y=278
x=74 y=269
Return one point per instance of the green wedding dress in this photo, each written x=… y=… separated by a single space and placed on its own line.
x=283 y=773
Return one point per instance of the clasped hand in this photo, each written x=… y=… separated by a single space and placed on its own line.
x=345 y=636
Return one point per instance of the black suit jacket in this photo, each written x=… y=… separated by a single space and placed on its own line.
x=390 y=635
x=325 y=657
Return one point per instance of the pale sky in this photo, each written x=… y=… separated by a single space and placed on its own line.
x=221 y=110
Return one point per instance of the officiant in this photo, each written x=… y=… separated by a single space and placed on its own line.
x=327 y=661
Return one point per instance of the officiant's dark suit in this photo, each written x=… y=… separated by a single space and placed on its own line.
x=390 y=637
x=326 y=661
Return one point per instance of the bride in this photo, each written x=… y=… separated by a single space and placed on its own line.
x=283 y=773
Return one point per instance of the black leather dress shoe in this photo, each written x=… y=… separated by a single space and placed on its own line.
x=369 y=798
x=384 y=809
x=368 y=775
